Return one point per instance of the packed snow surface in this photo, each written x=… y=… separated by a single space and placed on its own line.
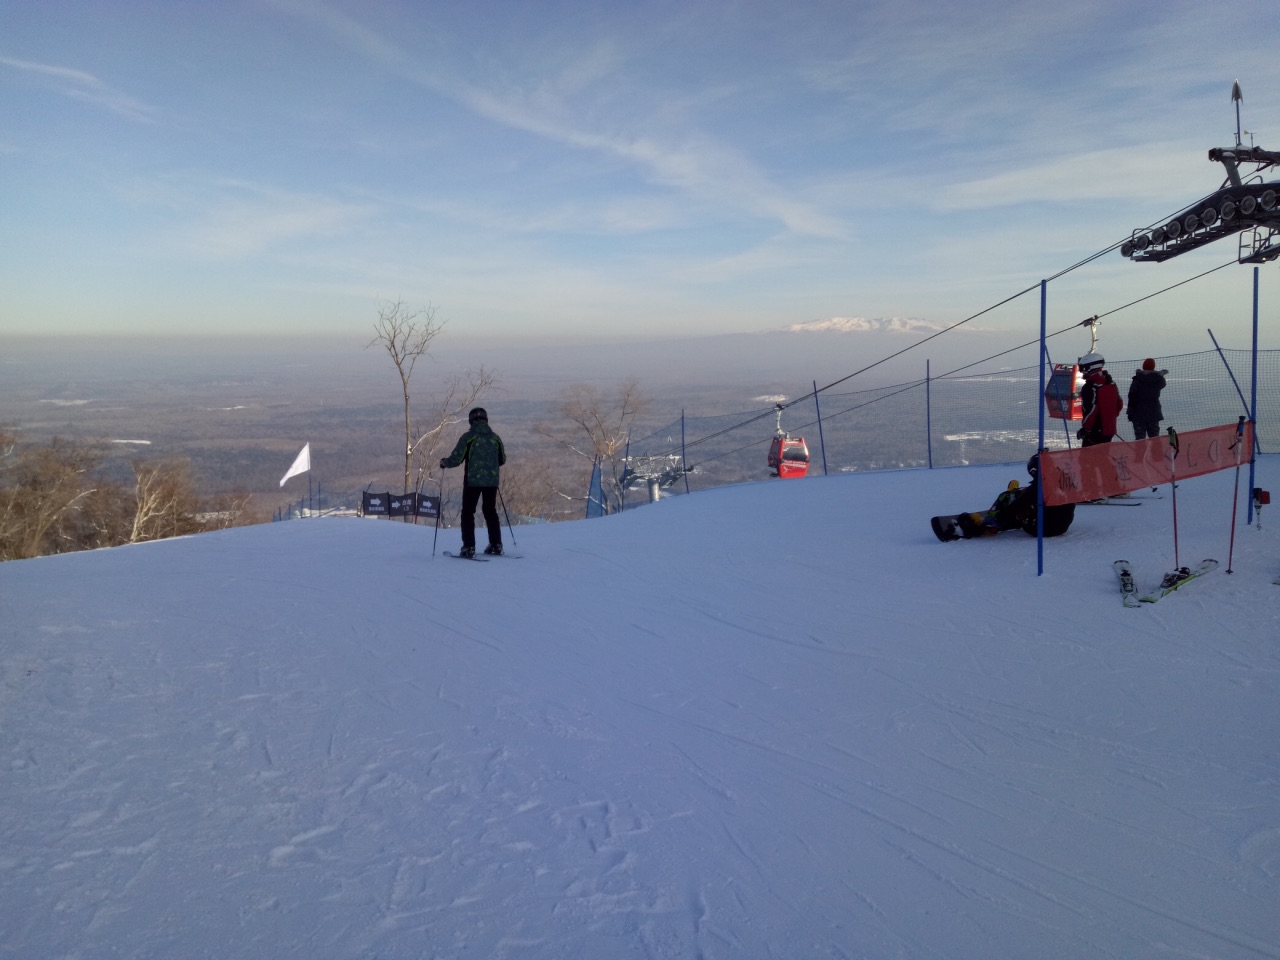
x=773 y=720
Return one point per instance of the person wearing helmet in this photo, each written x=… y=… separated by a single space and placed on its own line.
x=482 y=451
x=1144 y=400
x=1100 y=401
x=1089 y=364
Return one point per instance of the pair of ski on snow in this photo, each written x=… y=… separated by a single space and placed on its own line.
x=486 y=558
x=1171 y=582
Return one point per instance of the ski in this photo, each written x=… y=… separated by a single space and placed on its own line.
x=1128 y=590
x=458 y=556
x=1175 y=579
x=1110 y=502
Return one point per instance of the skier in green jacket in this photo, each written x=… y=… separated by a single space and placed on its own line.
x=482 y=451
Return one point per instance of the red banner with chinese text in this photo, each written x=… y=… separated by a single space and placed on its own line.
x=1109 y=469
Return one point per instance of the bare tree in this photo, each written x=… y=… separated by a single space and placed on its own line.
x=597 y=427
x=39 y=486
x=406 y=335
x=528 y=487
x=166 y=504
x=101 y=519
x=52 y=500
x=225 y=510
x=9 y=517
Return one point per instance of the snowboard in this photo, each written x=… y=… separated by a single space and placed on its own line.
x=947 y=528
x=961 y=526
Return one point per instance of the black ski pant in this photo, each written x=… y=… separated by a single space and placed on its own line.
x=488 y=498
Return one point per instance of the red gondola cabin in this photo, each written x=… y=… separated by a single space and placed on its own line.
x=788 y=457
x=1062 y=394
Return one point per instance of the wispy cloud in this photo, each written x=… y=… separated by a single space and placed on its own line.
x=612 y=216
x=79 y=85
x=227 y=219
x=689 y=161
x=1117 y=173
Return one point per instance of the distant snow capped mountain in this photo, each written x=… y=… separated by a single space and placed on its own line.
x=868 y=325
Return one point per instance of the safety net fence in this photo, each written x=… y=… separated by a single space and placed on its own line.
x=953 y=420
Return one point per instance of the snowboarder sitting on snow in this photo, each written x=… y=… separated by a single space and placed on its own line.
x=482 y=451
x=1015 y=508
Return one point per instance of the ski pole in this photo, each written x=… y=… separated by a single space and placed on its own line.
x=439 y=510
x=503 y=501
x=1235 y=497
x=1173 y=483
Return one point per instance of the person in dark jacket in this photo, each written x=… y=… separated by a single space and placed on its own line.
x=482 y=451
x=1057 y=518
x=1144 y=400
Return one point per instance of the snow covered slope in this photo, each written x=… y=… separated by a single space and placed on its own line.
x=773 y=720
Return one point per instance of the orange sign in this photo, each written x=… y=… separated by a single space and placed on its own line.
x=1108 y=469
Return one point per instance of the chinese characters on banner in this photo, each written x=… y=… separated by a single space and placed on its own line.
x=1109 y=469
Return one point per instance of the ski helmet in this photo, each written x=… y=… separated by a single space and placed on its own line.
x=477 y=413
x=1033 y=465
x=1092 y=361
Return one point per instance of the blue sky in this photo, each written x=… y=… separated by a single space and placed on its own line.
x=600 y=169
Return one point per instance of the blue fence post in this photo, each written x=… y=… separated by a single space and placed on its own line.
x=1253 y=394
x=684 y=464
x=928 y=414
x=821 y=442
x=1040 y=481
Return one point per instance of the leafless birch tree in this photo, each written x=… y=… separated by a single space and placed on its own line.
x=165 y=498
x=407 y=335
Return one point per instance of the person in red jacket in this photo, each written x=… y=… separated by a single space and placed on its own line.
x=1100 y=422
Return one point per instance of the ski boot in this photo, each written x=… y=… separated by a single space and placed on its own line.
x=494 y=549
x=468 y=553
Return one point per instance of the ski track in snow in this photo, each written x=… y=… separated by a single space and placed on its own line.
x=312 y=739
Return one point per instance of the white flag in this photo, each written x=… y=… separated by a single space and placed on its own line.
x=300 y=465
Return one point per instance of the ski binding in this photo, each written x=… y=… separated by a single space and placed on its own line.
x=1176 y=579
x=1128 y=589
